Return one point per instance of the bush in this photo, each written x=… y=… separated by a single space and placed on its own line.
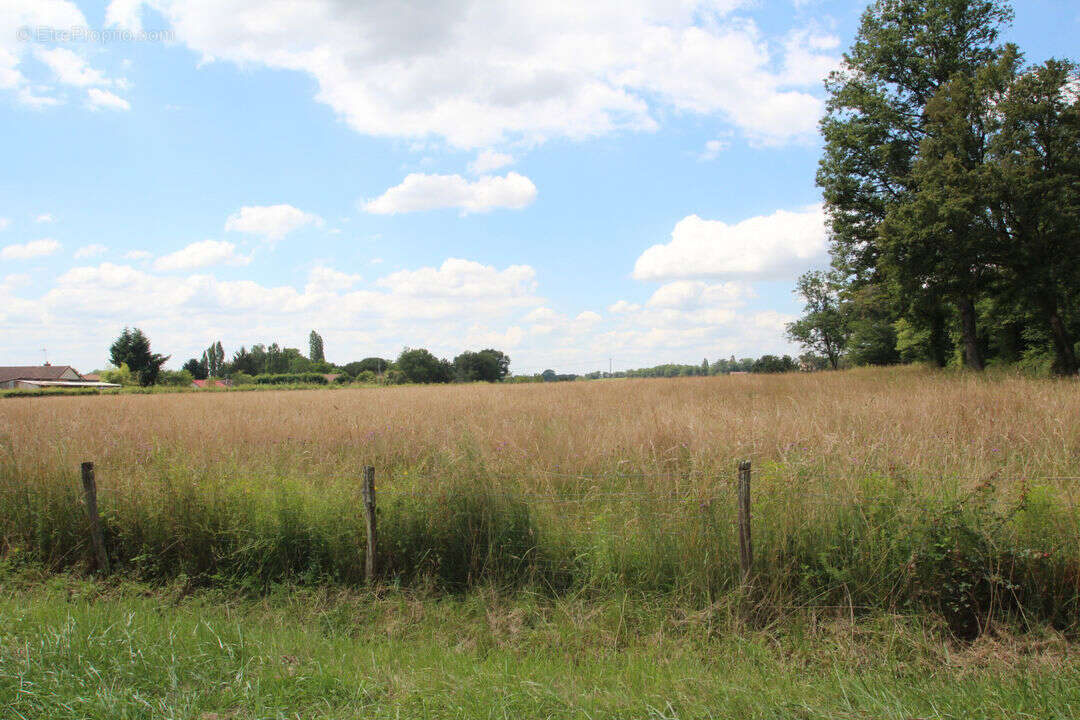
x=175 y=378
x=291 y=379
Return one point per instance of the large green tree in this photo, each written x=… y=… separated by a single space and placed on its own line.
x=132 y=348
x=1036 y=173
x=939 y=238
x=875 y=121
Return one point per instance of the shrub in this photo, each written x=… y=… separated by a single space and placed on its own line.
x=291 y=379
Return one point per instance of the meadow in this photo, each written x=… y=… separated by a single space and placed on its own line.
x=876 y=490
x=549 y=550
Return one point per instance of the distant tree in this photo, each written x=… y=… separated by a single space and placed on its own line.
x=420 y=366
x=705 y=366
x=120 y=375
x=244 y=362
x=315 y=344
x=375 y=365
x=774 y=364
x=132 y=348
x=823 y=328
x=549 y=375
x=196 y=368
x=484 y=366
x=213 y=359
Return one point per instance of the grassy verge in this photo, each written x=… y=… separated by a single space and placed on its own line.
x=76 y=649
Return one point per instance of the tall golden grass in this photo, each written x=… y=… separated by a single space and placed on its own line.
x=610 y=470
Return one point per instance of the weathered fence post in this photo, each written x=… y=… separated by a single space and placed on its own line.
x=369 y=508
x=96 y=538
x=746 y=547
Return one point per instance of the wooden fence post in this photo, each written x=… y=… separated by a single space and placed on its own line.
x=746 y=547
x=96 y=538
x=369 y=508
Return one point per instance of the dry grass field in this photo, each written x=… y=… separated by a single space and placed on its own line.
x=885 y=488
x=560 y=550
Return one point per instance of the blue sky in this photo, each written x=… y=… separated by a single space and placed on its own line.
x=632 y=181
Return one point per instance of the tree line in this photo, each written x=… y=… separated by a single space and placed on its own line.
x=133 y=363
x=951 y=181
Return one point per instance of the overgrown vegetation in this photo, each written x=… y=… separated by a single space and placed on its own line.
x=873 y=490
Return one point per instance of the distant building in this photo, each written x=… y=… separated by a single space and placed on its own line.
x=36 y=377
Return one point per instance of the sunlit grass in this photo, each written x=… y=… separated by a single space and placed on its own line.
x=890 y=489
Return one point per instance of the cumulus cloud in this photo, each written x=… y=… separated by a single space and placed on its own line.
x=457 y=278
x=105 y=100
x=622 y=306
x=766 y=246
x=482 y=73
x=30 y=250
x=690 y=294
x=71 y=68
x=14 y=51
x=325 y=278
x=89 y=251
x=489 y=161
x=430 y=192
x=202 y=254
x=45 y=218
x=271 y=222
x=4 y=222
x=86 y=305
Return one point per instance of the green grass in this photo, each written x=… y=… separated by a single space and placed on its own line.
x=76 y=649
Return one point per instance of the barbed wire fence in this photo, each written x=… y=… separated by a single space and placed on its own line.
x=596 y=489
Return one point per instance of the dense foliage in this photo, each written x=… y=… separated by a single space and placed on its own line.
x=951 y=178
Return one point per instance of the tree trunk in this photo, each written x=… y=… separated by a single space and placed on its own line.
x=1065 y=363
x=939 y=339
x=972 y=353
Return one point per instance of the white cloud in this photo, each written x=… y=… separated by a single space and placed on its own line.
x=622 y=306
x=14 y=50
x=89 y=251
x=4 y=222
x=71 y=68
x=105 y=100
x=429 y=192
x=124 y=13
x=489 y=161
x=30 y=250
x=206 y=253
x=10 y=282
x=692 y=294
x=713 y=148
x=138 y=255
x=324 y=278
x=272 y=222
x=457 y=278
x=45 y=218
x=482 y=73
x=766 y=246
